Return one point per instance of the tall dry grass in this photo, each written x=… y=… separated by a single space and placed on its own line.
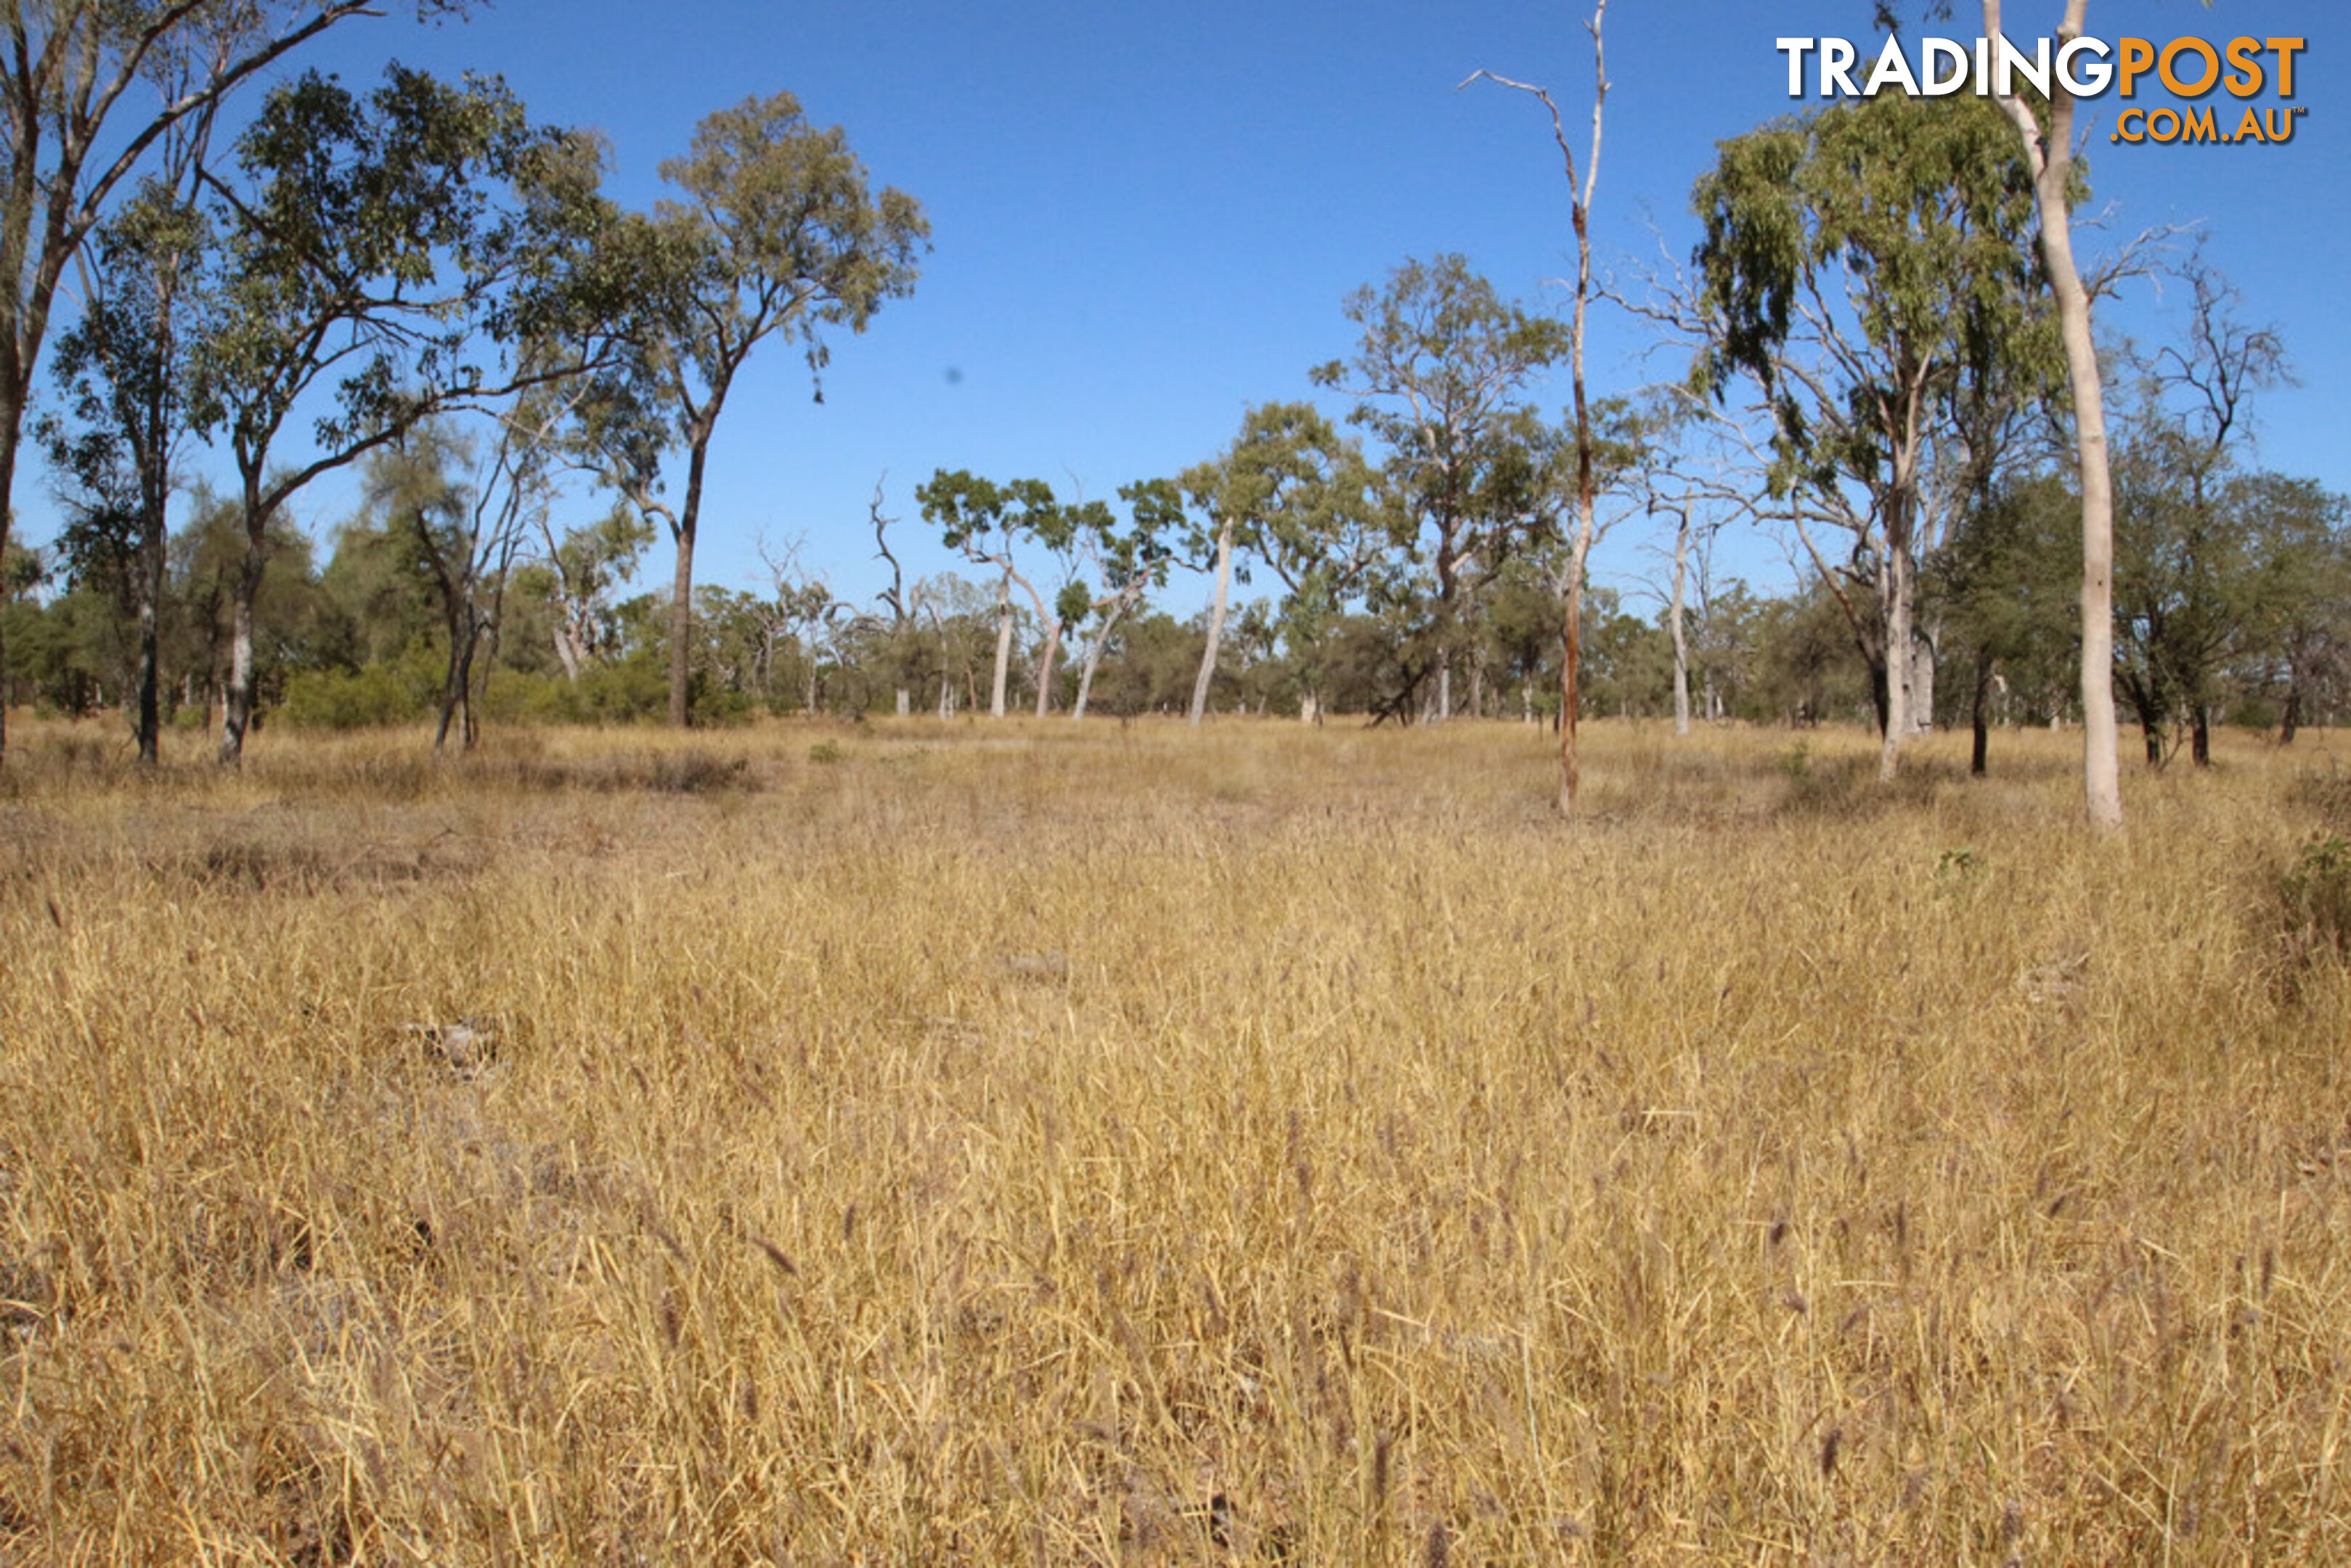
x=1117 y=1143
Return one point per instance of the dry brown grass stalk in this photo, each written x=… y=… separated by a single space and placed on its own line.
x=1124 y=1143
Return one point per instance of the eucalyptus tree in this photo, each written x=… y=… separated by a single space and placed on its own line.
x=2198 y=423
x=122 y=367
x=994 y=526
x=1129 y=561
x=466 y=513
x=1443 y=367
x=1288 y=479
x=2001 y=581
x=377 y=247
x=1867 y=269
x=76 y=125
x=776 y=234
x=584 y=568
x=2044 y=127
x=2045 y=133
x=2305 y=533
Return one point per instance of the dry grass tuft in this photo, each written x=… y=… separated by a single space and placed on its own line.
x=1114 y=1144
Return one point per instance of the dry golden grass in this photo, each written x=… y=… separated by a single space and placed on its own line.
x=1115 y=1143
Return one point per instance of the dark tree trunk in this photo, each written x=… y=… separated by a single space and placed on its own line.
x=681 y=609
x=1980 y=718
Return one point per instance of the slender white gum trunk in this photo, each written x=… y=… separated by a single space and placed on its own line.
x=2051 y=159
x=1216 y=621
x=1003 y=646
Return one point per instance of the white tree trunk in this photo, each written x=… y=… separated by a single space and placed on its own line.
x=1045 y=670
x=1094 y=654
x=1003 y=647
x=1216 y=620
x=1922 y=684
x=2051 y=160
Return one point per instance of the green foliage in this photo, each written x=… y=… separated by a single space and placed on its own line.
x=1440 y=380
x=399 y=692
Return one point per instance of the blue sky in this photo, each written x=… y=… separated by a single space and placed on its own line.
x=1145 y=219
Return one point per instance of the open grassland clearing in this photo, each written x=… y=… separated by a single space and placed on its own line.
x=1037 y=1143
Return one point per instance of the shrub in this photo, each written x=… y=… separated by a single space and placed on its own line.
x=401 y=692
x=2316 y=893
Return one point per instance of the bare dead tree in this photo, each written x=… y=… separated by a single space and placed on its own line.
x=1581 y=540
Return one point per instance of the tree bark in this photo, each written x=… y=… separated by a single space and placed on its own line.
x=1216 y=620
x=1571 y=764
x=1922 y=679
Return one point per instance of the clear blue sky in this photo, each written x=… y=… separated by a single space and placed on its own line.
x=1145 y=218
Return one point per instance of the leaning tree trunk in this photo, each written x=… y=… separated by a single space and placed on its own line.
x=1216 y=621
x=2289 y=722
x=1094 y=657
x=1045 y=669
